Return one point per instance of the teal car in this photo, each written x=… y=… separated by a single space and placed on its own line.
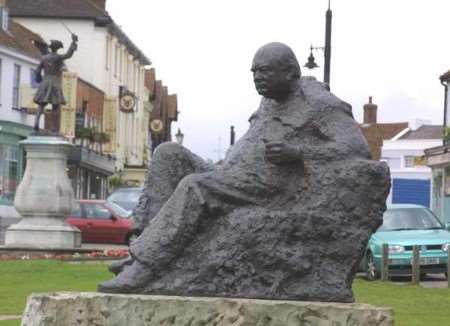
x=404 y=226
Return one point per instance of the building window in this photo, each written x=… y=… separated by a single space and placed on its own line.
x=116 y=60
x=126 y=69
x=409 y=161
x=16 y=86
x=4 y=17
x=108 y=52
x=121 y=55
x=134 y=77
x=8 y=172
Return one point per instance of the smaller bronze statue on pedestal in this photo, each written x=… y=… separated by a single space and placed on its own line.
x=50 y=88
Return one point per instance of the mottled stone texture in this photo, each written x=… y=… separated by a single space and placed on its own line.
x=286 y=215
x=88 y=309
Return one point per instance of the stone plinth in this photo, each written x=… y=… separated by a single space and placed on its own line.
x=44 y=198
x=87 y=309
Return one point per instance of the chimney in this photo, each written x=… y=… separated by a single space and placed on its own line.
x=370 y=112
x=99 y=3
x=4 y=15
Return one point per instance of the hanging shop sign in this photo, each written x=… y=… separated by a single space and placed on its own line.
x=156 y=126
x=127 y=102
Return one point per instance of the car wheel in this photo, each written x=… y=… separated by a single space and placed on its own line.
x=131 y=237
x=371 y=271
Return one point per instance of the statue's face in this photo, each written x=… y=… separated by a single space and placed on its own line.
x=272 y=79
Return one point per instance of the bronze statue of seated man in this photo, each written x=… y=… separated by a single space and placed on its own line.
x=286 y=215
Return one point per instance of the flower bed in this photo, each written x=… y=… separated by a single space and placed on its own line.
x=94 y=255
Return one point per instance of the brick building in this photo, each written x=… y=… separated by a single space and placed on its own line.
x=164 y=112
x=376 y=132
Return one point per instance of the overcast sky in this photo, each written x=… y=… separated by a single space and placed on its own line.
x=392 y=50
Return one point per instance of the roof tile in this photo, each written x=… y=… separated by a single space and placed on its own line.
x=21 y=39
x=56 y=8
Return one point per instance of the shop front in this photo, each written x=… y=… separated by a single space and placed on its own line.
x=12 y=158
x=438 y=159
x=89 y=172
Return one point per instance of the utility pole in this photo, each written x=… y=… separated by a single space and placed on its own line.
x=327 y=51
x=232 y=136
x=311 y=64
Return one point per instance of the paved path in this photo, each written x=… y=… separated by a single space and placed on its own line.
x=430 y=281
x=10 y=317
x=434 y=281
x=102 y=246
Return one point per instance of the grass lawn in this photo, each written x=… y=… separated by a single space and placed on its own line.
x=20 y=278
x=10 y=323
x=413 y=305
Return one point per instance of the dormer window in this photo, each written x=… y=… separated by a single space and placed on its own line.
x=4 y=17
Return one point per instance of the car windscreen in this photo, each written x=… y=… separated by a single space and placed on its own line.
x=127 y=198
x=409 y=218
x=119 y=211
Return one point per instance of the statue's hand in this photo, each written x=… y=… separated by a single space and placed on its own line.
x=279 y=152
x=74 y=38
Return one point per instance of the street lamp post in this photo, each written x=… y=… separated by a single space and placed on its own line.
x=326 y=49
x=179 y=136
x=327 y=52
x=445 y=81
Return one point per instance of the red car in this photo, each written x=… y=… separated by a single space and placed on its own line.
x=102 y=222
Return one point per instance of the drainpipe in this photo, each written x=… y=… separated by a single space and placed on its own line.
x=445 y=112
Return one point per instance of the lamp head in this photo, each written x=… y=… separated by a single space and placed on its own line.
x=311 y=64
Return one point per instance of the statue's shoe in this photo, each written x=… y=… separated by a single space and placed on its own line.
x=132 y=279
x=117 y=267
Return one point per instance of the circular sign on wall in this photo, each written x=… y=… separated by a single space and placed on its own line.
x=127 y=103
x=156 y=125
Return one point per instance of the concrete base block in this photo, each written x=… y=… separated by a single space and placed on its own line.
x=87 y=309
x=30 y=234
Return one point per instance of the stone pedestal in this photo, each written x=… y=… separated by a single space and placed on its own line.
x=44 y=198
x=87 y=309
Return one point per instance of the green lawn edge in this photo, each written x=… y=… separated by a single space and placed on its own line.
x=412 y=304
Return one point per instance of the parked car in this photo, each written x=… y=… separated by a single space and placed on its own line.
x=102 y=222
x=405 y=226
x=127 y=198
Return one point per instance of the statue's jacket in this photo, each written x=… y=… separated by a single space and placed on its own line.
x=252 y=228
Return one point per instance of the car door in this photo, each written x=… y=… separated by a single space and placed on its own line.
x=101 y=227
x=77 y=219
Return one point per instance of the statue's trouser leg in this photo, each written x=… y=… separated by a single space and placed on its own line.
x=38 y=117
x=170 y=163
x=198 y=197
x=55 y=118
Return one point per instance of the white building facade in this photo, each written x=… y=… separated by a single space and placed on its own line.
x=110 y=61
x=18 y=61
x=410 y=177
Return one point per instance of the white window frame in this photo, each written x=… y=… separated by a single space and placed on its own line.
x=409 y=161
x=16 y=86
x=108 y=52
x=116 y=59
x=4 y=16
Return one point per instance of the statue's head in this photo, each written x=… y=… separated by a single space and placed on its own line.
x=275 y=70
x=55 y=45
